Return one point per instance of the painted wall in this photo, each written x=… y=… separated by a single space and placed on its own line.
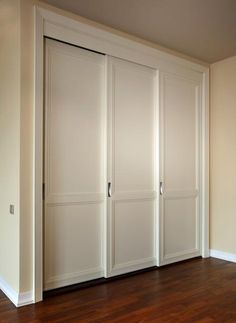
x=26 y=145
x=16 y=142
x=9 y=141
x=223 y=156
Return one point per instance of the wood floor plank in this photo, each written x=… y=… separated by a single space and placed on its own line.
x=200 y=290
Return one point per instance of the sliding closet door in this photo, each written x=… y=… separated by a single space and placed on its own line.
x=180 y=106
x=131 y=167
x=74 y=165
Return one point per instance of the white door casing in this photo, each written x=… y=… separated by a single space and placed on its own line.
x=131 y=222
x=180 y=166
x=74 y=165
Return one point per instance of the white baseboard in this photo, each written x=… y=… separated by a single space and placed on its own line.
x=223 y=255
x=25 y=298
x=9 y=291
x=18 y=299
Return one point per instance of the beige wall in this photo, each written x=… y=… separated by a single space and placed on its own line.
x=223 y=156
x=16 y=142
x=9 y=140
x=26 y=146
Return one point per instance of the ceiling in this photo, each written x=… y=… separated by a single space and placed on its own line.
x=203 y=29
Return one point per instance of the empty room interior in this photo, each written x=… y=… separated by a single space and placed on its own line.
x=117 y=161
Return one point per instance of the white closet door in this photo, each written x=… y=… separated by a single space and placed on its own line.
x=131 y=167
x=179 y=166
x=74 y=165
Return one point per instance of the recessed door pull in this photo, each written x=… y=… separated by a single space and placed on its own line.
x=109 y=189
x=161 y=188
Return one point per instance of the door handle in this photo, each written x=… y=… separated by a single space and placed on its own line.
x=109 y=189
x=161 y=188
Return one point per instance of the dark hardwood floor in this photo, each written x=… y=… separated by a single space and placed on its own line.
x=200 y=290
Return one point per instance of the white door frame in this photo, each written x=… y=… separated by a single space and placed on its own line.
x=72 y=30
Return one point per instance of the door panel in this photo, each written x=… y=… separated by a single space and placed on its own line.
x=131 y=167
x=179 y=226
x=133 y=232
x=179 y=167
x=72 y=244
x=74 y=165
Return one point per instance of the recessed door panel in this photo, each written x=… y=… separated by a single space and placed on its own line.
x=133 y=127
x=180 y=226
x=134 y=232
x=180 y=134
x=74 y=165
x=73 y=244
x=131 y=167
x=179 y=167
